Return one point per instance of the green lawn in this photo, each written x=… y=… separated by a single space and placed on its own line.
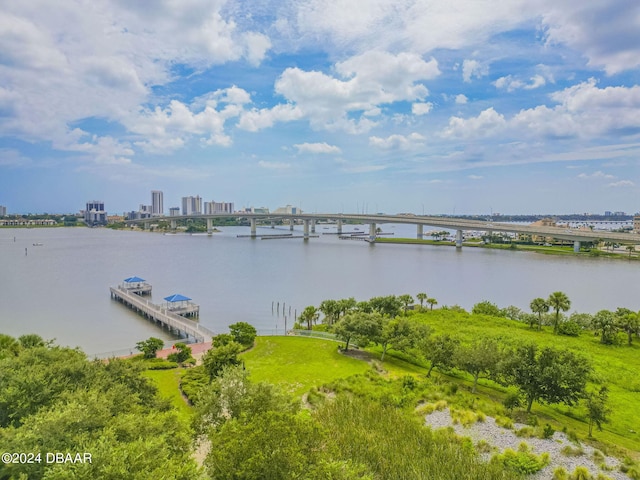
x=615 y=366
x=299 y=363
x=168 y=383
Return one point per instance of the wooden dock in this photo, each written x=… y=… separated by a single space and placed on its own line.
x=161 y=315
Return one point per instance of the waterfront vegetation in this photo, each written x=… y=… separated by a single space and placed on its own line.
x=586 y=251
x=302 y=407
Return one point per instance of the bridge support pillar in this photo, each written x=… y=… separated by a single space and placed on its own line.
x=458 y=238
x=420 y=232
x=209 y=226
x=372 y=232
x=253 y=227
x=291 y=224
x=306 y=229
x=576 y=246
x=313 y=226
x=339 y=227
x=174 y=224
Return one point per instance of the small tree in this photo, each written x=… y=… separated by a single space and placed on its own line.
x=605 y=322
x=548 y=375
x=182 y=353
x=243 y=333
x=400 y=333
x=486 y=308
x=597 y=409
x=628 y=322
x=359 y=326
x=222 y=339
x=389 y=306
x=216 y=359
x=480 y=359
x=150 y=346
x=440 y=351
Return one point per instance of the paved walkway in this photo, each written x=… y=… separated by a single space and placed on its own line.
x=197 y=350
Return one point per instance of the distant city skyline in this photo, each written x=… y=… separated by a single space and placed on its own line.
x=394 y=106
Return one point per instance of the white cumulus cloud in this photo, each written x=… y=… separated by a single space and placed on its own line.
x=400 y=142
x=316 y=148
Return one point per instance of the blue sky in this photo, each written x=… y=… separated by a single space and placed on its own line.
x=441 y=106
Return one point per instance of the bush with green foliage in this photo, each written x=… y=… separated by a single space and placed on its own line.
x=243 y=333
x=569 y=328
x=522 y=461
x=53 y=399
x=181 y=354
x=486 y=308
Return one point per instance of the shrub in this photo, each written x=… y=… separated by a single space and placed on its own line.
x=597 y=456
x=581 y=473
x=572 y=329
x=466 y=417
x=526 y=432
x=560 y=474
x=633 y=473
x=483 y=447
x=486 y=308
x=547 y=431
x=512 y=400
x=243 y=333
x=182 y=353
x=522 y=461
x=504 y=422
x=162 y=365
x=192 y=381
x=570 y=451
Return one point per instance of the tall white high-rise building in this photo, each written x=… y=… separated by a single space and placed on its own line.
x=218 y=207
x=192 y=205
x=3 y=211
x=157 y=207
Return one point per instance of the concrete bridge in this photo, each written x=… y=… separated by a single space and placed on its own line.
x=309 y=221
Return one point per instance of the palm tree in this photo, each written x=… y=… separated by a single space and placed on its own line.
x=539 y=306
x=422 y=297
x=406 y=300
x=309 y=315
x=558 y=301
x=630 y=249
x=432 y=302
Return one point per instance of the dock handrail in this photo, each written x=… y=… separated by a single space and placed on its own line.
x=163 y=315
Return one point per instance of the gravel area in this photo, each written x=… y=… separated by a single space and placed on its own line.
x=503 y=438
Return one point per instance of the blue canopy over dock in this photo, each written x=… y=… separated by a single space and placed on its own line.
x=136 y=285
x=182 y=305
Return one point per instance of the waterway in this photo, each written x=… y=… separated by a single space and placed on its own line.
x=60 y=289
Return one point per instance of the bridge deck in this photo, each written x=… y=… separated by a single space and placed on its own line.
x=162 y=315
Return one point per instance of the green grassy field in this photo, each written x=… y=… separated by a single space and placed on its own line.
x=615 y=366
x=168 y=384
x=299 y=363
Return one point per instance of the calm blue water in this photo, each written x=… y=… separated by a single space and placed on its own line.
x=61 y=289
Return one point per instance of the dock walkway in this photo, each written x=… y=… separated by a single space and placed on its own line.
x=162 y=315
